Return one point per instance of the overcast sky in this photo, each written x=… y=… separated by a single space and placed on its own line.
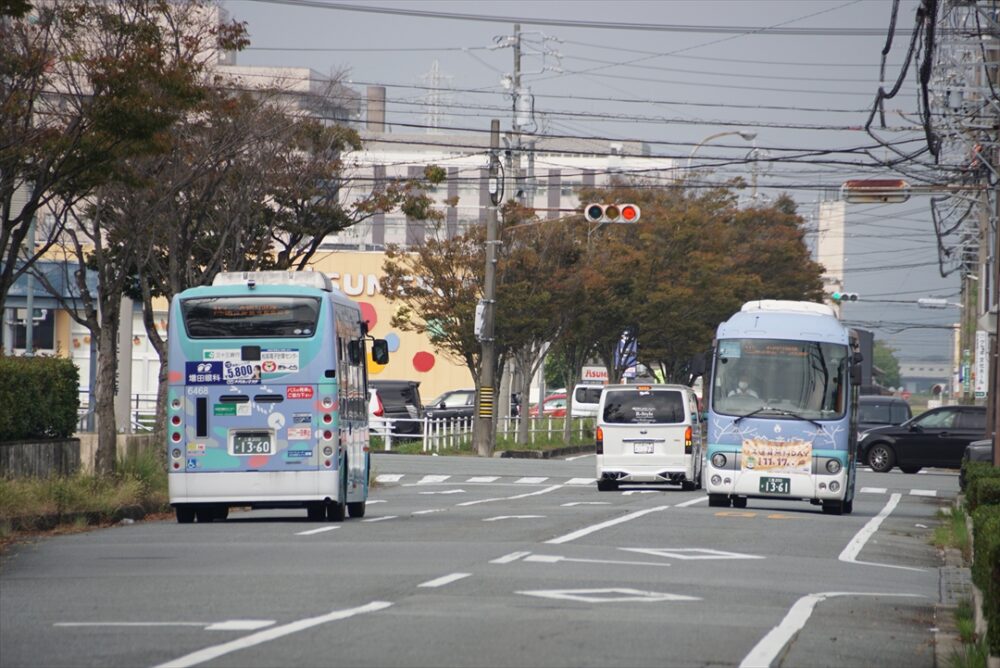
x=670 y=73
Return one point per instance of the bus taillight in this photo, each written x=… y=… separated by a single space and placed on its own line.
x=175 y=437
x=327 y=418
x=175 y=420
x=327 y=435
x=600 y=441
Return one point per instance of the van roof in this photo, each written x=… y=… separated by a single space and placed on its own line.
x=654 y=386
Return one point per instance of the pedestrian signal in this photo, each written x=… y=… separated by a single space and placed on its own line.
x=612 y=213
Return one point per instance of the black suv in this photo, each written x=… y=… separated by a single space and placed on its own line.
x=400 y=405
x=876 y=411
x=935 y=438
x=452 y=405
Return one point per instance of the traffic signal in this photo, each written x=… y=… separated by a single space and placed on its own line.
x=844 y=297
x=611 y=213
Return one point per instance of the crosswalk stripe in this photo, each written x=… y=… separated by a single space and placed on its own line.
x=483 y=478
x=873 y=490
x=580 y=481
x=531 y=481
x=427 y=479
x=923 y=492
x=389 y=477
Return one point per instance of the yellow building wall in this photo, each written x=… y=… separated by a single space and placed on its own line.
x=411 y=356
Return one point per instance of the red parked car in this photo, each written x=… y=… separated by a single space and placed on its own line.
x=553 y=405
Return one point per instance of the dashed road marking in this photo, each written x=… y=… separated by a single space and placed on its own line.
x=513 y=517
x=389 y=477
x=444 y=579
x=429 y=479
x=530 y=481
x=483 y=478
x=604 y=525
x=580 y=481
x=923 y=492
x=315 y=531
x=381 y=519
x=873 y=490
x=507 y=558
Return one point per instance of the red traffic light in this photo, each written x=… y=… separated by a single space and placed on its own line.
x=611 y=213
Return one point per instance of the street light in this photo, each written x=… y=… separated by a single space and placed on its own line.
x=745 y=134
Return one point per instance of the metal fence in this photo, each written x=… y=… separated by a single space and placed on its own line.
x=142 y=413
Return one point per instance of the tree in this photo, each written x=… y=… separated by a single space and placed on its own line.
x=84 y=84
x=884 y=357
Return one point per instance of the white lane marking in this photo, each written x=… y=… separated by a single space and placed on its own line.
x=771 y=645
x=586 y=503
x=240 y=625
x=371 y=502
x=428 y=512
x=136 y=624
x=483 y=478
x=507 y=558
x=580 y=481
x=873 y=490
x=315 y=531
x=607 y=595
x=428 y=479
x=447 y=491
x=640 y=491
x=553 y=559
x=923 y=492
x=693 y=501
x=853 y=549
x=604 y=525
x=513 y=517
x=389 y=477
x=381 y=519
x=573 y=459
x=510 y=498
x=690 y=553
x=209 y=653
x=530 y=481
x=444 y=579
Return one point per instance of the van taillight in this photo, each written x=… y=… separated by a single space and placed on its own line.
x=380 y=410
x=600 y=441
x=687 y=441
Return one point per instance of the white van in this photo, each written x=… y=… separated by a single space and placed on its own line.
x=648 y=434
x=586 y=397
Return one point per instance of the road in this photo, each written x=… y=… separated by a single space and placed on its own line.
x=494 y=562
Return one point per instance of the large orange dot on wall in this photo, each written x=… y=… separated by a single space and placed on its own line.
x=374 y=368
x=423 y=362
x=368 y=315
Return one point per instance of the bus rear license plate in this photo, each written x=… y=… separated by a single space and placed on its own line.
x=775 y=486
x=252 y=443
x=642 y=448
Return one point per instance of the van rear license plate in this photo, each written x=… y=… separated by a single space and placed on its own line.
x=252 y=443
x=642 y=448
x=775 y=486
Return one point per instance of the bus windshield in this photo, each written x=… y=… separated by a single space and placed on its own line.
x=780 y=379
x=250 y=317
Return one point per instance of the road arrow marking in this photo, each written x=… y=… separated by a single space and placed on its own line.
x=604 y=525
x=553 y=559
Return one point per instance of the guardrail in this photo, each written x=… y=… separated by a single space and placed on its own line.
x=453 y=433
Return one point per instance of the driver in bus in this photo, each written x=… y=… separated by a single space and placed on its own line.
x=743 y=389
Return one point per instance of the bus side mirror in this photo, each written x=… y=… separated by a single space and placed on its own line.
x=856 y=376
x=380 y=351
x=354 y=352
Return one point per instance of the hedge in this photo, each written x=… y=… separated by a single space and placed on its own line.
x=39 y=396
x=986 y=568
x=975 y=474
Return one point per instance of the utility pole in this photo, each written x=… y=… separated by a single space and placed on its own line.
x=515 y=135
x=484 y=434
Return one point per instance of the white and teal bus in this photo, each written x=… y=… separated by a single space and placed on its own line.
x=782 y=407
x=266 y=402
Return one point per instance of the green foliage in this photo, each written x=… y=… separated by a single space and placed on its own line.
x=986 y=568
x=953 y=532
x=982 y=484
x=39 y=396
x=885 y=360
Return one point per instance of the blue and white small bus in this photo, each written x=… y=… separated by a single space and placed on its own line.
x=267 y=397
x=782 y=407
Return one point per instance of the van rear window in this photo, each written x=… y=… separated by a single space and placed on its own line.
x=644 y=407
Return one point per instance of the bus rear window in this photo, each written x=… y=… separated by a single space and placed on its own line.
x=250 y=317
x=643 y=407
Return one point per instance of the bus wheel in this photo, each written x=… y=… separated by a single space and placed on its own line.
x=356 y=508
x=336 y=510
x=739 y=502
x=316 y=512
x=718 y=500
x=185 y=513
x=833 y=507
x=204 y=513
